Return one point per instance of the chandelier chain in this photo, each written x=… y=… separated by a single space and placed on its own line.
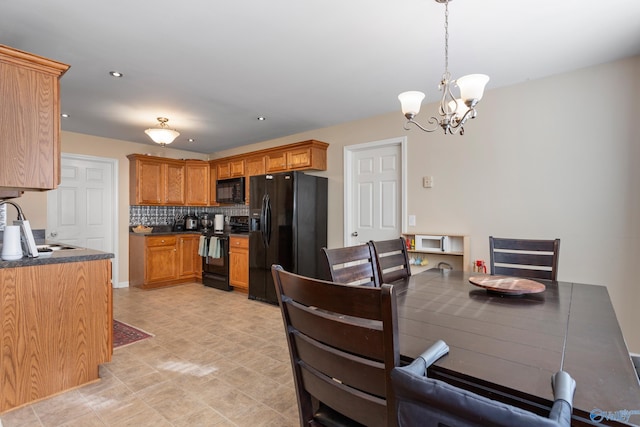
x=446 y=38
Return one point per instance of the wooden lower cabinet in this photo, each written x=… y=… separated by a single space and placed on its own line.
x=239 y=263
x=156 y=261
x=57 y=327
x=190 y=265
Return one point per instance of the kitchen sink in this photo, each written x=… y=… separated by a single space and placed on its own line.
x=53 y=247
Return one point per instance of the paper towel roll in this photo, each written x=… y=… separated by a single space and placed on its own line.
x=11 y=247
x=218 y=222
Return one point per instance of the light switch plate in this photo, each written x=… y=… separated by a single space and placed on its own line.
x=427 y=181
x=412 y=220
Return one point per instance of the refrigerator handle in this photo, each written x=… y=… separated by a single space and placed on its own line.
x=263 y=220
x=268 y=220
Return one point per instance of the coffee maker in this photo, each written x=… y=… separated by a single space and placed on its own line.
x=191 y=222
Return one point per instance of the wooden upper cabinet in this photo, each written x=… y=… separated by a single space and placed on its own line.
x=162 y=181
x=276 y=161
x=255 y=166
x=230 y=168
x=309 y=155
x=156 y=181
x=29 y=120
x=197 y=183
x=305 y=155
x=174 y=183
x=213 y=177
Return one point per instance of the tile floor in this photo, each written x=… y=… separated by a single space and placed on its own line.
x=217 y=359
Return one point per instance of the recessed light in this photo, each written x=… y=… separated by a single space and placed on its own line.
x=191 y=140
x=115 y=74
x=64 y=115
x=262 y=118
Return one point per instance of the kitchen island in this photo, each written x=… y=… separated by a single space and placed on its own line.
x=56 y=316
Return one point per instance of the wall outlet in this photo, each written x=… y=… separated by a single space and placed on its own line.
x=427 y=181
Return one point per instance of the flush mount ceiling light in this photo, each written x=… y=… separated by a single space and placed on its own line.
x=454 y=112
x=162 y=134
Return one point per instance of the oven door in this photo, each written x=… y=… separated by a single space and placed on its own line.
x=215 y=271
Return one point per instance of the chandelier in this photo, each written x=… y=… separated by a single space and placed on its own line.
x=454 y=112
x=162 y=134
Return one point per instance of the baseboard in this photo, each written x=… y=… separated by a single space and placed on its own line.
x=121 y=285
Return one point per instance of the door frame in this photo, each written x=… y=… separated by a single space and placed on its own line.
x=114 y=186
x=348 y=177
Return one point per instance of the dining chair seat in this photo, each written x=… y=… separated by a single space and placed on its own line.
x=392 y=259
x=426 y=402
x=527 y=258
x=353 y=265
x=343 y=344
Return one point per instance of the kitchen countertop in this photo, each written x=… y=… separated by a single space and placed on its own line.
x=163 y=230
x=61 y=256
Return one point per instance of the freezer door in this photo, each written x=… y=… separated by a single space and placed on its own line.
x=270 y=239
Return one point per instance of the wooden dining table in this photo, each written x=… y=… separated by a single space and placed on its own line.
x=507 y=347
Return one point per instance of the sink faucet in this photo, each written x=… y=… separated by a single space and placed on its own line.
x=21 y=216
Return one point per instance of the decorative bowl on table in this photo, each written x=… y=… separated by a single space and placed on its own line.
x=141 y=229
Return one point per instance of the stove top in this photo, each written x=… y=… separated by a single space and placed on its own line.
x=237 y=224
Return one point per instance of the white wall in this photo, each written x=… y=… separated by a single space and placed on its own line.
x=549 y=158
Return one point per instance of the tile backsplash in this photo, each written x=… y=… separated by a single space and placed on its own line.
x=164 y=215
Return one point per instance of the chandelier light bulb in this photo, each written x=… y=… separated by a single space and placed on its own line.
x=410 y=102
x=472 y=86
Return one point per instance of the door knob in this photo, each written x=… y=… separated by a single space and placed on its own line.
x=354 y=234
x=53 y=234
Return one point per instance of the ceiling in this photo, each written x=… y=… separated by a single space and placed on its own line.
x=212 y=67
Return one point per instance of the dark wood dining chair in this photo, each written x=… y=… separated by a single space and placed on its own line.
x=392 y=259
x=353 y=265
x=535 y=259
x=426 y=402
x=343 y=344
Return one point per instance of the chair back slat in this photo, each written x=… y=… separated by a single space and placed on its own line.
x=361 y=338
x=354 y=265
x=392 y=259
x=343 y=345
x=363 y=408
x=345 y=300
x=536 y=259
x=353 y=370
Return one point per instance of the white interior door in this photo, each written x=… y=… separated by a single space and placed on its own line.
x=375 y=175
x=82 y=210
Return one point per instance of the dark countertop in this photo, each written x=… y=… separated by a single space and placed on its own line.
x=163 y=230
x=57 y=257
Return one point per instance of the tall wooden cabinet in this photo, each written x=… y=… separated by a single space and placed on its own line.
x=29 y=120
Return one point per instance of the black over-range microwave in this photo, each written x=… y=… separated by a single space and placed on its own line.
x=230 y=190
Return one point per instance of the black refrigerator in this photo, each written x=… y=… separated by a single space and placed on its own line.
x=288 y=226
